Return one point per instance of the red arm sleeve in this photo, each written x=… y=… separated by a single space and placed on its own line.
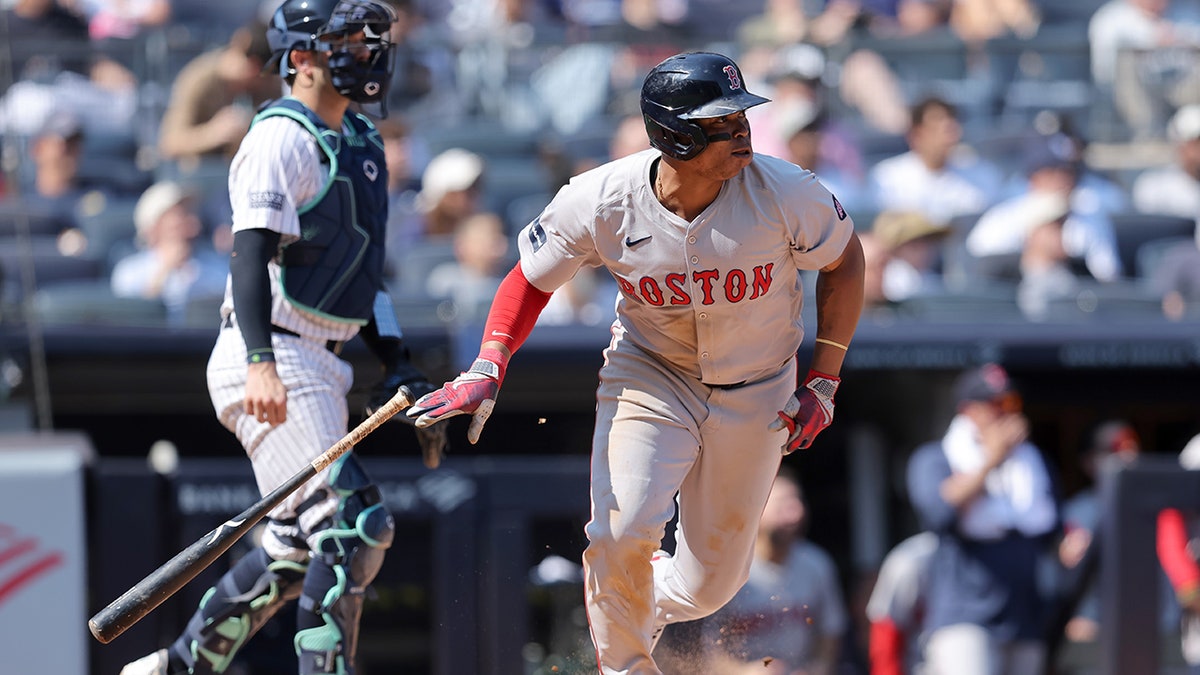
x=514 y=311
x=1173 y=555
x=886 y=648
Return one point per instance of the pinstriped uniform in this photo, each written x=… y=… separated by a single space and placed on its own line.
x=276 y=171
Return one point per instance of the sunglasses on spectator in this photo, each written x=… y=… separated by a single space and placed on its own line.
x=1008 y=403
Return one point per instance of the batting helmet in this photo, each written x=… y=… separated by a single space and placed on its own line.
x=691 y=86
x=316 y=25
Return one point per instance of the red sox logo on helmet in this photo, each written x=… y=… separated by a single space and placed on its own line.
x=735 y=82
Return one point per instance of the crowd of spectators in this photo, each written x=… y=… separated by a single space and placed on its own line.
x=1041 y=152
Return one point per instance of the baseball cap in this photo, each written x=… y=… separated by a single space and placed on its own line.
x=987 y=383
x=61 y=125
x=895 y=228
x=1115 y=437
x=1055 y=151
x=451 y=171
x=1185 y=123
x=155 y=201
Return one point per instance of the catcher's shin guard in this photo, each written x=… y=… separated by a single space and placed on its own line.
x=346 y=557
x=245 y=598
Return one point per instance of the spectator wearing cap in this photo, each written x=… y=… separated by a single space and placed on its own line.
x=1087 y=234
x=451 y=189
x=938 y=176
x=1174 y=189
x=56 y=149
x=987 y=493
x=170 y=265
x=913 y=243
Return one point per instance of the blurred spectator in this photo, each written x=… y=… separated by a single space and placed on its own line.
x=904 y=18
x=1175 y=189
x=587 y=299
x=1094 y=191
x=480 y=262
x=875 y=260
x=987 y=493
x=451 y=188
x=171 y=265
x=790 y=613
x=896 y=607
x=214 y=96
x=1081 y=520
x=1044 y=268
x=43 y=38
x=1087 y=235
x=977 y=21
x=1177 y=280
x=423 y=82
x=939 y=176
x=1143 y=55
x=497 y=54
x=784 y=22
x=805 y=135
x=913 y=243
x=1176 y=545
x=118 y=27
x=55 y=151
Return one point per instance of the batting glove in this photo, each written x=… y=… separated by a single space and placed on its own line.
x=471 y=393
x=403 y=375
x=808 y=411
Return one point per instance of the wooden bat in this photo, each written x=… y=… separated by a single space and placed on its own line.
x=165 y=581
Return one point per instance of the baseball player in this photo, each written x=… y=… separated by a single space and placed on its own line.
x=698 y=392
x=308 y=188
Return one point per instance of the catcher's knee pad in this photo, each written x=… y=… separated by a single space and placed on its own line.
x=346 y=556
x=245 y=598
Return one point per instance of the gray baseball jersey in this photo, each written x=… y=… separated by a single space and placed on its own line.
x=702 y=356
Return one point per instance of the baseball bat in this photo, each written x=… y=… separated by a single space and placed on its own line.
x=163 y=582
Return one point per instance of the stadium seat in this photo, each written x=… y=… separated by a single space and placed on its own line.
x=1133 y=230
x=93 y=303
x=981 y=304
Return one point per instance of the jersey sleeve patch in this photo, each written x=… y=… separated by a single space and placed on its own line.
x=536 y=234
x=838 y=207
x=266 y=200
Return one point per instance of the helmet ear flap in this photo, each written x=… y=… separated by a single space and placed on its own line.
x=683 y=143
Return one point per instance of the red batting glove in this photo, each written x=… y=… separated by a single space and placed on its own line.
x=808 y=411
x=471 y=393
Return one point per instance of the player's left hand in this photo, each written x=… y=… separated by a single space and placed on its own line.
x=808 y=411
x=432 y=439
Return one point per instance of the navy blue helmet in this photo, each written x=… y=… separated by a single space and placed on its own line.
x=691 y=86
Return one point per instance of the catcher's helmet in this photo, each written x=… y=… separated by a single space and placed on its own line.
x=686 y=87
x=316 y=25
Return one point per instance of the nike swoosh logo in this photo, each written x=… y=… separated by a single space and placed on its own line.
x=497 y=333
x=634 y=242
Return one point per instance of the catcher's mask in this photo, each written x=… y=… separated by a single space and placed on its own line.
x=691 y=86
x=360 y=67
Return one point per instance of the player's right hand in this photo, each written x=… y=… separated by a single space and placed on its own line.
x=471 y=393
x=807 y=411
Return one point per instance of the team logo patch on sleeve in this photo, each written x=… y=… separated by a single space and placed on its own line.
x=537 y=235
x=838 y=207
x=266 y=200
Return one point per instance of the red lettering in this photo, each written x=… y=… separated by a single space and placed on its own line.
x=735 y=285
x=675 y=283
x=706 y=279
x=627 y=288
x=651 y=292
x=762 y=280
